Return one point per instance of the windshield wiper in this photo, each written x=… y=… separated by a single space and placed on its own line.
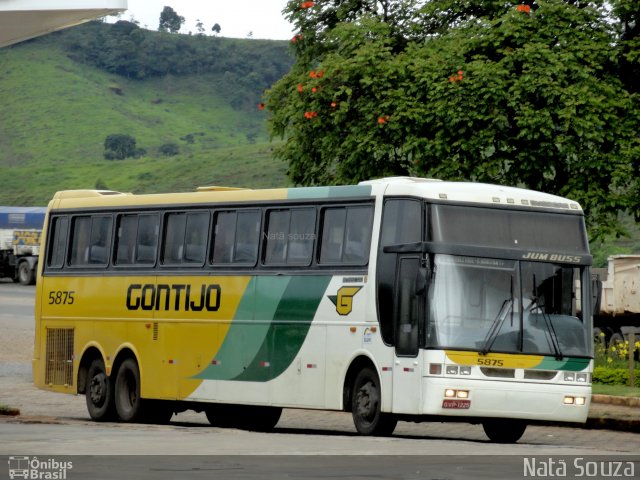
x=496 y=326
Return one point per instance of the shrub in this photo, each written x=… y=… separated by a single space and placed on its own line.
x=610 y=376
x=169 y=149
x=119 y=146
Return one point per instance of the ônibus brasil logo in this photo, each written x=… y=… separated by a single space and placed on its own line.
x=33 y=468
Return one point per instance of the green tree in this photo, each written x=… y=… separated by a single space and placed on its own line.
x=170 y=21
x=200 y=27
x=216 y=29
x=119 y=146
x=527 y=95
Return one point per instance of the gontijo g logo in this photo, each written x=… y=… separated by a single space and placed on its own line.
x=32 y=468
x=344 y=299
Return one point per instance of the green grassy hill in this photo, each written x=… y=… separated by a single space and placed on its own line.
x=55 y=114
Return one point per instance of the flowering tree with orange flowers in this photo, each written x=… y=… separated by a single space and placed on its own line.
x=536 y=94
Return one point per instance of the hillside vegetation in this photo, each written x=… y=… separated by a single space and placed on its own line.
x=60 y=99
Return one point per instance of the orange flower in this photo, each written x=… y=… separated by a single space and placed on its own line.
x=310 y=115
x=314 y=89
x=456 y=78
x=261 y=106
x=524 y=8
x=307 y=4
x=312 y=74
x=320 y=74
x=334 y=104
x=300 y=87
x=382 y=120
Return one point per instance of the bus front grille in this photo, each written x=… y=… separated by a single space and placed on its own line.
x=59 y=356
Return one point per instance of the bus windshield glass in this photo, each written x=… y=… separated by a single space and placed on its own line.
x=494 y=305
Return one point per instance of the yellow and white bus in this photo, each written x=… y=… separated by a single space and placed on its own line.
x=394 y=299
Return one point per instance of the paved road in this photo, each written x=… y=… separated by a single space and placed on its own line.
x=58 y=425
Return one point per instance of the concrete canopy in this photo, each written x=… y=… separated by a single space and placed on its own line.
x=24 y=19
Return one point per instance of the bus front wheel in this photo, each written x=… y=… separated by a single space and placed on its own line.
x=99 y=393
x=503 y=430
x=127 y=392
x=366 y=404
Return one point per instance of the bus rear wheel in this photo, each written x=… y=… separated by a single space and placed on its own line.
x=366 y=404
x=99 y=393
x=127 y=392
x=503 y=430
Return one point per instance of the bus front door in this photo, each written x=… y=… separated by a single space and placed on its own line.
x=407 y=368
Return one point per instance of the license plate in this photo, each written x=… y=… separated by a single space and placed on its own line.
x=459 y=404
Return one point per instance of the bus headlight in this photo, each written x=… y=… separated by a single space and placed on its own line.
x=452 y=370
x=569 y=377
x=582 y=377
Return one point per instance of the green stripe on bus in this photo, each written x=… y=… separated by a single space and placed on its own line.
x=329 y=192
x=289 y=328
x=248 y=329
x=260 y=346
x=570 y=364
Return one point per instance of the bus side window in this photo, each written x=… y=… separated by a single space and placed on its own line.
x=195 y=243
x=100 y=240
x=247 y=237
x=332 y=235
x=277 y=235
x=301 y=235
x=147 y=241
x=290 y=236
x=58 y=242
x=346 y=235
x=80 y=237
x=224 y=228
x=174 y=230
x=126 y=239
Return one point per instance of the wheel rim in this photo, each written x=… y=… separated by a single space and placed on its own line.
x=98 y=389
x=367 y=400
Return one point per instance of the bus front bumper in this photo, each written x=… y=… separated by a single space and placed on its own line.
x=499 y=399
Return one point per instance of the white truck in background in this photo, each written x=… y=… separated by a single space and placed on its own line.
x=20 y=230
x=617 y=294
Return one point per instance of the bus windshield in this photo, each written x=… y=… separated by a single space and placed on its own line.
x=495 y=305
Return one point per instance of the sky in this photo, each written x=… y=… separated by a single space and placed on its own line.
x=236 y=18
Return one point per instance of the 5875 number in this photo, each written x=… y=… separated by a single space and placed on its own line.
x=61 y=297
x=491 y=362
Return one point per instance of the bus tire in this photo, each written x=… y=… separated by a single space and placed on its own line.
x=503 y=430
x=129 y=405
x=223 y=415
x=25 y=274
x=261 y=419
x=99 y=393
x=366 y=403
